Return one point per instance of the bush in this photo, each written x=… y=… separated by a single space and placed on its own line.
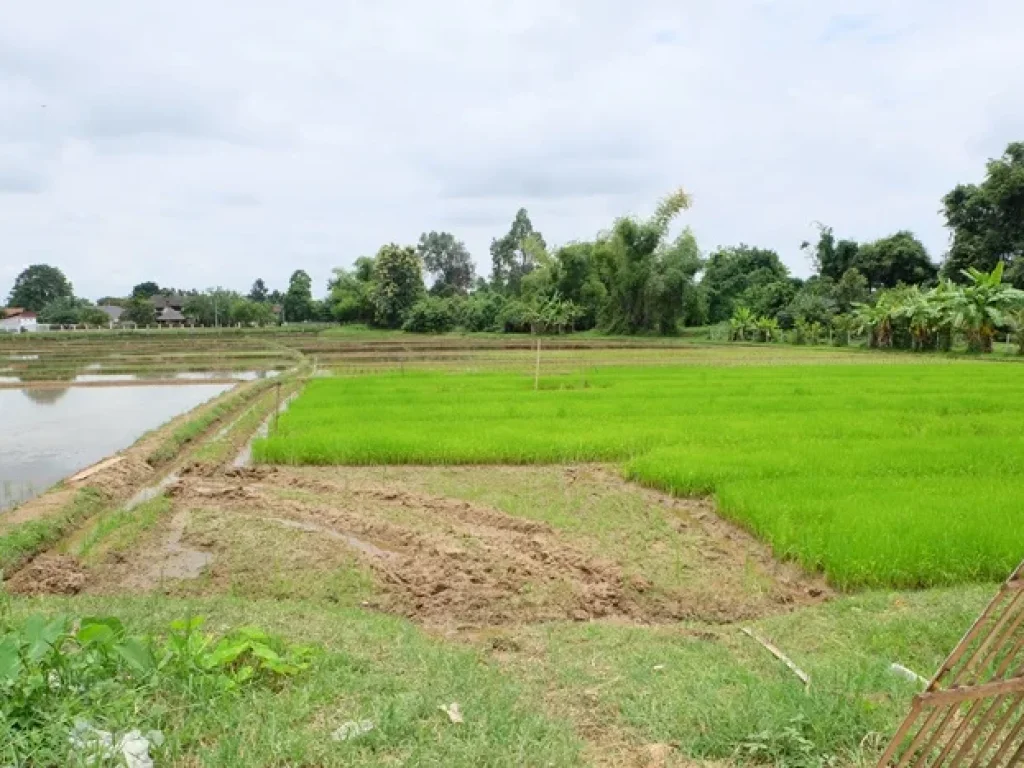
x=480 y=312
x=431 y=314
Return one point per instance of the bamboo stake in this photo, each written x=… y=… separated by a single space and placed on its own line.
x=774 y=651
x=536 y=373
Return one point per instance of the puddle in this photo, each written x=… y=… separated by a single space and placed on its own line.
x=363 y=546
x=150 y=493
x=180 y=562
x=50 y=434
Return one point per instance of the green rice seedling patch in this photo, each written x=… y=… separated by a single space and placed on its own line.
x=878 y=475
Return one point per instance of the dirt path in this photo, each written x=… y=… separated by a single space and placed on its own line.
x=457 y=565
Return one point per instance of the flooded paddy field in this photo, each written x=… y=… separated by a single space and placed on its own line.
x=51 y=433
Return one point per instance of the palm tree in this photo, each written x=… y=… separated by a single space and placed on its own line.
x=741 y=323
x=982 y=306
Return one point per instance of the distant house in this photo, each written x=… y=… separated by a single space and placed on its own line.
x=114 y=313
x=17 y=320
x=172 y=301
x=169 y=316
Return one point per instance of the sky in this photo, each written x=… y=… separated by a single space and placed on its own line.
x=210 y=143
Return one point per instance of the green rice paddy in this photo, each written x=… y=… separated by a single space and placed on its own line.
x=895 y=475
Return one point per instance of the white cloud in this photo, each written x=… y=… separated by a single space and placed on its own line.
x=204 y=143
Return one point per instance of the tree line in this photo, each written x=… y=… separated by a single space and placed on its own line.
x=45 y=290
x=635 y=278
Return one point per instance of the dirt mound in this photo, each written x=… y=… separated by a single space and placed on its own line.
x=48 y=575
x=460 y=563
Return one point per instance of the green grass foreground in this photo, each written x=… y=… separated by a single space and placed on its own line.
x=712 y=692
x=901 y=476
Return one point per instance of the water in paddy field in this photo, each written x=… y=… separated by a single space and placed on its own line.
x=116 y=378
x=49 y=434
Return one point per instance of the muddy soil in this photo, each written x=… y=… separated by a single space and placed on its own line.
x=50 y=574
x=453 y=564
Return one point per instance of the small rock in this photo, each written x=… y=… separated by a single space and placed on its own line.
x=453 y=711
x=352 y=729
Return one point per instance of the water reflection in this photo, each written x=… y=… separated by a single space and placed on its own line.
x=72 y=375
x=50 y=434
x=44 y=395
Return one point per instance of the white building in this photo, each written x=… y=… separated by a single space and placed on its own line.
x=17 y=320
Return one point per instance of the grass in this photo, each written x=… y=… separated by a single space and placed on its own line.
x=21 y=542
x=373 y=667
x=204 y=419
x=119 y=529
x=714 y=691
x=708 y=691
x=878 y=475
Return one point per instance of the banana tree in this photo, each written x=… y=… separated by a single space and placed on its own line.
x=876 y=320
x=1017 y=324
x=983 y=305
x=742 y=323
x=921 y=315
x=767 y=328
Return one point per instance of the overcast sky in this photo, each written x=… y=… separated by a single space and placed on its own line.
x=210 y=143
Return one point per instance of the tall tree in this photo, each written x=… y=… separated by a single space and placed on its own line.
x=986 y=220
x=510 y=261
x=448 y=261
x=831 y=259
x=139 y=311
x=351 y=293
x=37 y=286
x=146 y=290
x=731 y=272
x=258 y=292
x=397 y=284
x=298 y=301
x=899 y=258
x=630 y=261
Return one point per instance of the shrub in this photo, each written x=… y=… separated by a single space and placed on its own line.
x=431 y=314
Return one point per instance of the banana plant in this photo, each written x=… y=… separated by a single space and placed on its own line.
x=767 y=328
x=983 y=305
x=742 y=323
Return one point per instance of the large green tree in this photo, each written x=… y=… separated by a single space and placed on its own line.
x=212 y=307
x=397 y=284
x=632 y=263
x=986 y=220
x=447 y=260
x=351 y=292
x=510 y=261
x=737 y=276
x=298 y=300
x=899 y=258
x=258 y=292
x=139 y=311
x=831 y=259
x=37 y=286
x=146 y=290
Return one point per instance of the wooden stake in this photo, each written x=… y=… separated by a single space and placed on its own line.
x=277 y=407
x=536 y=373
x=804 y=677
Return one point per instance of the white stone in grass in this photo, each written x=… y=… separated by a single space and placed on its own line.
x=97 y=745
x=453 y=711
x=352 y=729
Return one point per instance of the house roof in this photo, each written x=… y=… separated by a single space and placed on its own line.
x=169 y=315
x=175 y=301
x=113 y=312
x=11 y=312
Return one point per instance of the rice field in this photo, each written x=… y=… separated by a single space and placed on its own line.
x=895 y=476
